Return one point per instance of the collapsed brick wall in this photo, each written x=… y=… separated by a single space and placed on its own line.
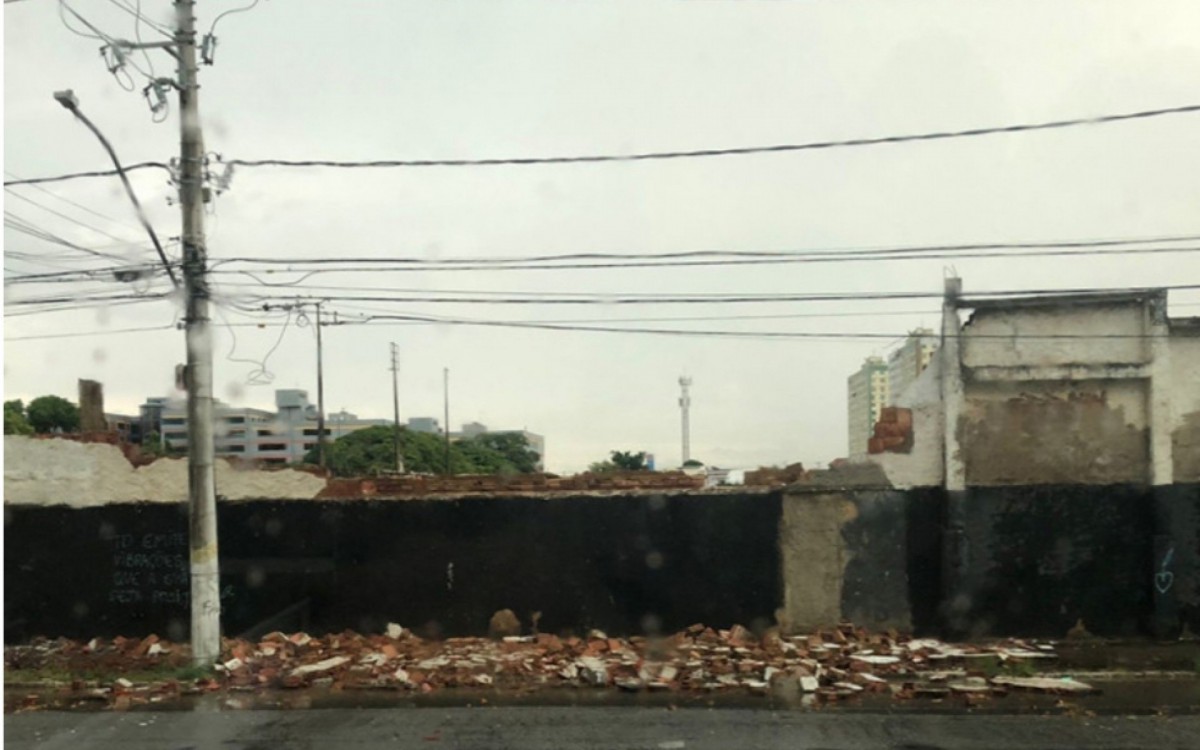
x=423 y=485
x=893 y=432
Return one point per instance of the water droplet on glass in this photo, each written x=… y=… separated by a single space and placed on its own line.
x=256 y=576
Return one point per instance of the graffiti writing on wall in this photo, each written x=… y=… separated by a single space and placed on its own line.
x=152 y=569
x=1164 y=579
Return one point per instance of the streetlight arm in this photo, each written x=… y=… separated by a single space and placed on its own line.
x=69 y=101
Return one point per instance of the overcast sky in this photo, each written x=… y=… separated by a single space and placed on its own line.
x=413 y=80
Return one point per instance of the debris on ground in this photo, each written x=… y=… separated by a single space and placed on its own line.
x=833 y=664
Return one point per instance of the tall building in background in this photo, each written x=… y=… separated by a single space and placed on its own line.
x=909 y=361
x=868 y=394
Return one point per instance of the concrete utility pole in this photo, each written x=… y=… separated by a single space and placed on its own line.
x=685 y=403
x=396 y=408
x=202 y=498
x=320 y=395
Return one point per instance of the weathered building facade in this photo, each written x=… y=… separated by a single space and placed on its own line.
x=1077 y=389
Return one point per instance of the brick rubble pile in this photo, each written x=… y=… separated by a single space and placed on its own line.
x=832 y=665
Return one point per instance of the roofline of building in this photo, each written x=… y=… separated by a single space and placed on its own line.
x=1123 y=297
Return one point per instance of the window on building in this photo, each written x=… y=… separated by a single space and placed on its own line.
x=265 y=433
x=272 y=447
x=234 y=449
x=237 y=420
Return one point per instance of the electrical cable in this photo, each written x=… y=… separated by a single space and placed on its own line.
x=836 y=253
x=669 y=155
x=229 y=13
x=61 y=215
x=795 y=259
x=260 y=375
x=739 y=151
x=98 y=173
x=810 y=335
x=70 y=202
x=722 y=298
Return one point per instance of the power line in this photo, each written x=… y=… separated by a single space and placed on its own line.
x=416 y=266
x=830 y=335
x=25 y=226
x=738 y=151
x=79 y=175
x=79 y=334
x=735 y=257
x=661 y=155
x=68 y=201
x=72 y=219
x=549 y=298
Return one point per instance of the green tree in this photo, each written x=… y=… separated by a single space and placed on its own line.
x=15 y=422
x=602 y=467
x=500 y=453
x=371 y=451
x=692 y=463
x=628 y=461
x=50 y=413
x=152 y=444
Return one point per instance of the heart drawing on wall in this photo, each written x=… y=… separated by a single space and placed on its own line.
x=1163 y=581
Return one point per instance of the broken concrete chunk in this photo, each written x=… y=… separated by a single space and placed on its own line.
x=394 y=631
x=630 y=684
x=321 y=666
x=1045 y=684
x=300 y=639
x=971 y=685
x=876 y=659
x=808 y=683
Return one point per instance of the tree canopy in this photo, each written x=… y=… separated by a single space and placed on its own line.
x=370 y=451
x=50 y=413
x=15 y=422
x=620 y=461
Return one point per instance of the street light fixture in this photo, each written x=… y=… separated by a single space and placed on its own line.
x=68 y=99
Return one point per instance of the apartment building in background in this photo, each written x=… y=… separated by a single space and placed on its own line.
x=909 y=361
x=868 y=393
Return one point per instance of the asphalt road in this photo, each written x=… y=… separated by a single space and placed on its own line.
x=564 y=728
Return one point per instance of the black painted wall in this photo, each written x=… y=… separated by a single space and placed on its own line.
x=1039 y=558
x=625 y=565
